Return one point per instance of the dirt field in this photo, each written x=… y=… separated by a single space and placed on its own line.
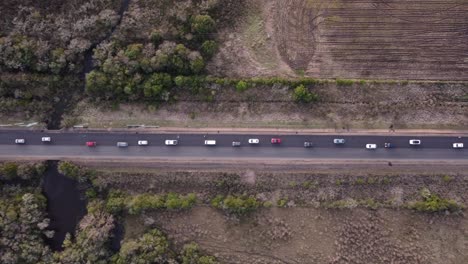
x=304 y=231
x=370 y=39
x=368 y=106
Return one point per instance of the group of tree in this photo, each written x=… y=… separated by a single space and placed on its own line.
x=53 y=40
x=145 y=71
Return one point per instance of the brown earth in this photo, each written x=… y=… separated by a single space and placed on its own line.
x=305 y=231
x=370 y=39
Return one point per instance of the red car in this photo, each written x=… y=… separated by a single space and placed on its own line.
x=91 y=143
x=275 y=141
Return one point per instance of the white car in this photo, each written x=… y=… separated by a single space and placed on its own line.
x=415 y=142
x=338 y=141
x=371 y=146
x=210 y=142
x=254 y=141
x=20 y=141
x=46 y=139
x=458 y=145
x=171 y=142
x=142 y=142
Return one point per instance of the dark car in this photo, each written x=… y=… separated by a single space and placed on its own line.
x=388 y=145
x=308 y=144
x=236 y=144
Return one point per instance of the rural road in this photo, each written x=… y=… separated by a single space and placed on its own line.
x=72 y=145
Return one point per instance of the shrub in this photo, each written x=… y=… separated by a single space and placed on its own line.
x=302 y=95
x=282 y=202
x=241 y=86
x=236 y=204
x=432 y=203
x=447 y=178
x=191 y=255
x=341 y=82
x=359 y=181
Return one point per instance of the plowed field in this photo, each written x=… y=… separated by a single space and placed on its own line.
x=385 y=39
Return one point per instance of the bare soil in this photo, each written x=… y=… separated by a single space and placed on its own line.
x=305 y=231
x=369 y=39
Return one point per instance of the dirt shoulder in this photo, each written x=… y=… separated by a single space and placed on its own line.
x=372 y=226
x=368 y=106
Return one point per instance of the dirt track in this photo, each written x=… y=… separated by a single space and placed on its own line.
x=362 y=39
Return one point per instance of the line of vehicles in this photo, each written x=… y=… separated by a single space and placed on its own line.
x=251 y=141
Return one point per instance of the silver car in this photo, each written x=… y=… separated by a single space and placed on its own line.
x=122 y=144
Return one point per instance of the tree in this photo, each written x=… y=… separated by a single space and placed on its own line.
x=133 y=51
x=197 y=65
x=203 y=24
x=9 y=170
x=209 y=48
x=97 y=84
x=91 y=239
x=156 y=84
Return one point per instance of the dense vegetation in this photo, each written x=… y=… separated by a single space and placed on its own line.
x=42 y=50
x=24 y=225
x=144 y=70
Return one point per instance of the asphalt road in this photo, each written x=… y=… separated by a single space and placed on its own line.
x=72 y=144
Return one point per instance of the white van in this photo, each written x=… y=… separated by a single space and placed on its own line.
x=210 y=142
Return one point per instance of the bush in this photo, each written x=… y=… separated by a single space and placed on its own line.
x=116 y=202
x=236 y=204
x=302 y=95
x=241 y=86
x=72 y=171
x=191 y=255
x=341 y=82
x=433 y=203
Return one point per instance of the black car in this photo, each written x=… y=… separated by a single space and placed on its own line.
x=308 y=144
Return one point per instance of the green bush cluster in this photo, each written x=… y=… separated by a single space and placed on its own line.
x=236 y=204
x=342 y=82
x=302 y=95
x=74 y=171
x=433 y=203
x=153 y=247
x=118 y=202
